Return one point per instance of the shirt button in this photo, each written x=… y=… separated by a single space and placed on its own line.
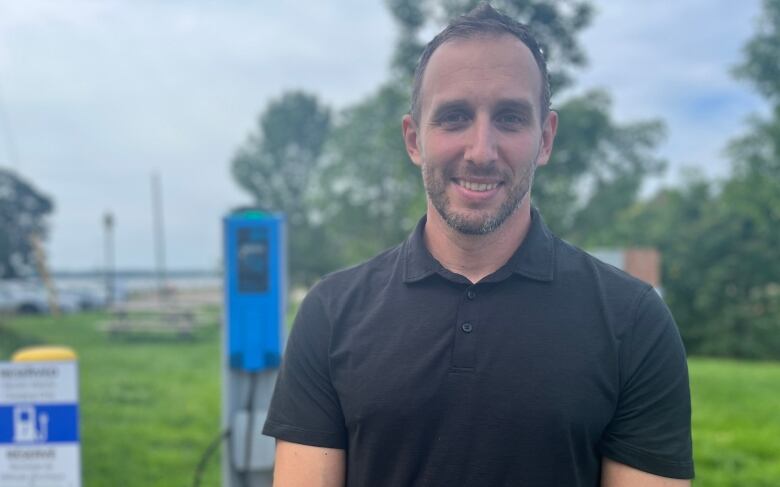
x=471 y=294
x=466 y=327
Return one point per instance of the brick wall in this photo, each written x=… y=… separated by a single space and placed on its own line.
x=644 y=264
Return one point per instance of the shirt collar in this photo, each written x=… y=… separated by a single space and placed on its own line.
x=534 y=258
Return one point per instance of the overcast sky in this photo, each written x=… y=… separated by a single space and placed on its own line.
x=97 y=95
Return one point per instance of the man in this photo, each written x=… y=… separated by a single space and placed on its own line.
x=483 y=351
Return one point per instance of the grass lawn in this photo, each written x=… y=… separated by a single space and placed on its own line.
x=149 y=407
x=736 y=422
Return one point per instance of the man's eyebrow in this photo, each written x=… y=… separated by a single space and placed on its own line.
x=518 y=105
x=524 y=107
x=450 y=105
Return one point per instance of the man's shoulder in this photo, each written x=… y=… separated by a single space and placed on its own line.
x=573 y=259
x=622 y=300
x=616 y=290
x=364 y=277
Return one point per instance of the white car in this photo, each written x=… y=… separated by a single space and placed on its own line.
x=31 y=297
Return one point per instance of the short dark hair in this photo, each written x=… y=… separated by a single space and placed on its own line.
x=480 y=21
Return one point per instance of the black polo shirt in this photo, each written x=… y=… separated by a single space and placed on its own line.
x=526 y=378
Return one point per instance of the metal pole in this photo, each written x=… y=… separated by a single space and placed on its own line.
x=159 y=232
x=108 y=242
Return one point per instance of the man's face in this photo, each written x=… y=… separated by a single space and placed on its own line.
x=480 y=135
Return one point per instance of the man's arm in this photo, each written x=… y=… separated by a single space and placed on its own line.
x=308 y=466
x=305 y=408
x=614 y=474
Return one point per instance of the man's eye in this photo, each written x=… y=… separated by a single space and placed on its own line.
x=453 y=119
x=512 y=119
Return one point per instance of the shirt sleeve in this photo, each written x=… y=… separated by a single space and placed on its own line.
x=305 y=407
x=651 y=428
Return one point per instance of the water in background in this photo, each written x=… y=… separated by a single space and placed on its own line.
x=129 y=283
x=86 y=290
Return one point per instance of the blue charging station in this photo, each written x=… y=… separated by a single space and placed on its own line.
x=255 y=285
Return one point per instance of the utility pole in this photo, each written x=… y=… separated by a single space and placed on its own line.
x=108 y=254
x=159 y=232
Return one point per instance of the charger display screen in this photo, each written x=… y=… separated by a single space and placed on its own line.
x=253 y=260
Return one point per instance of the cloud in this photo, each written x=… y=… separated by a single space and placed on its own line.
x=100 y=94
x=672 y=61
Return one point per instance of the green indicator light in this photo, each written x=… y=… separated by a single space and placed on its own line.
x=252 y=214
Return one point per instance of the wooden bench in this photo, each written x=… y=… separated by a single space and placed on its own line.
x=179 y=323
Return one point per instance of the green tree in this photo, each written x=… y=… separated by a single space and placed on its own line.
x=410 y=16
x=740 y=293
x=23 y=211
x=761 y=66
x=720 y=271
x=737 y=308
x=597 y=168
x=372 y=194
x=719 y=241
x=276 y=166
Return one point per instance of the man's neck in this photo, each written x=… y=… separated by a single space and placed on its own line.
x=476 y=256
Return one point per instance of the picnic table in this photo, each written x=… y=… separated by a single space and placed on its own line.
x=163 y=319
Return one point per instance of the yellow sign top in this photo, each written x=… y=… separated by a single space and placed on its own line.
x=44 y=354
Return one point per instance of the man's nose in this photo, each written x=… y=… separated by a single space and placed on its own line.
x=482 y=147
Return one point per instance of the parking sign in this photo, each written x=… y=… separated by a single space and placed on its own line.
x=39 y=424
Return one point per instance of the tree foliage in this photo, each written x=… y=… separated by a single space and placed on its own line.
x=23 y=211
x=597 y=167
x=372 y=192
x=276 y=166
x=737 y=306
x=761 y=65
x=719 y=241
x=720 y=269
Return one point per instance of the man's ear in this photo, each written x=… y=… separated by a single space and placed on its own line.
x=411 y=139
x=549 y=128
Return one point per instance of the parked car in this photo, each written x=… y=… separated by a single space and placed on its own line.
x=25 y=297
x=32 y=297
x=7 y=303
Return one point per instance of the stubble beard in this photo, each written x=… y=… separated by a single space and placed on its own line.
x=485 y=222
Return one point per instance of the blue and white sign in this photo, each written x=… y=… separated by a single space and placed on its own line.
x=39 y=425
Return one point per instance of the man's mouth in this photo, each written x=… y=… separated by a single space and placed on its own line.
x=480 y=187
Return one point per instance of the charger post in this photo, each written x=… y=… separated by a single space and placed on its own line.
x=255 y=285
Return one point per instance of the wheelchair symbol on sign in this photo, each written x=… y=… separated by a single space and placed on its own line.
x=30 y=427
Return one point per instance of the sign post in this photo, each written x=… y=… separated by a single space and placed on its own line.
x=39 y=419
